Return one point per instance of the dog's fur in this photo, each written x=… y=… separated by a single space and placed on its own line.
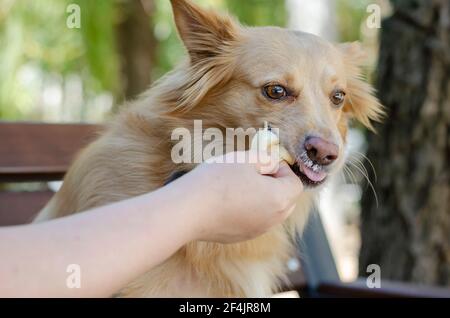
x=221 y=84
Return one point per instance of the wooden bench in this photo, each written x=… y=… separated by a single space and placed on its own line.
x=31 y=152
x=35 y=153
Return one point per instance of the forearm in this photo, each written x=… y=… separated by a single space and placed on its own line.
x=112 y=245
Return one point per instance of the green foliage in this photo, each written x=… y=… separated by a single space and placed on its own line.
x=259 y=12
x=98 y=19
x=169 y=50
x=31 y=32
x=41 y=46
x=250 y=12
x=351 y=15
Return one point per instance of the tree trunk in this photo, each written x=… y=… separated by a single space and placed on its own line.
x=408 y=233
x=136 y=46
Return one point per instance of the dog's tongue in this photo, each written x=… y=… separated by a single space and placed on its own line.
x=313 y=176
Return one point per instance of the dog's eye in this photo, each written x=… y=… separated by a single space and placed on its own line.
x=337 y=97
x=275 y=92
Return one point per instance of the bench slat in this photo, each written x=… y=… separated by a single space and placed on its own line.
x=389 y=289
x=40 y=152
x=21 y=207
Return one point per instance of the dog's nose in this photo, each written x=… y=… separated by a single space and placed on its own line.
x=321 y=151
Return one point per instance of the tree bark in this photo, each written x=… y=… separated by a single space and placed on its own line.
x=136 y=46
x=408 y=233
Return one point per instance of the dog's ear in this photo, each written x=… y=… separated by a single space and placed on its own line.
x=204 y=32
x=362 y=103
x=211 y=40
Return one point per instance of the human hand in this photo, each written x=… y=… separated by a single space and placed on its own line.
x=239 y=201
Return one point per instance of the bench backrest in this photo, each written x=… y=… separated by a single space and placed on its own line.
x=31 y=152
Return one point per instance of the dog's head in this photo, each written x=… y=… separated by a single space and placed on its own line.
x=308 y=88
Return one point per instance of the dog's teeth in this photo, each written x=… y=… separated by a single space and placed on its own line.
x=309 y=163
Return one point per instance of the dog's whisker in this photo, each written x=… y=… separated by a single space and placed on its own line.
x=368 y=182
x=360 y=165
x=370 y=163
x=344 y=175
x=350 y=174
x=360 y=170
x=363 y=171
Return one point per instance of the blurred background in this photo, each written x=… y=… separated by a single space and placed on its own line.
x=398 y=219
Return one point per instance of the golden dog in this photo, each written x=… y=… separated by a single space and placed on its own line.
x=235 y=76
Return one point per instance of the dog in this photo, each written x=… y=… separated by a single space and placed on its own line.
x=234 y=76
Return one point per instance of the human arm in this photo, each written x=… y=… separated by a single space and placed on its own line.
x=116 y=243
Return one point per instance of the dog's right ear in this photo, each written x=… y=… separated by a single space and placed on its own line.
x=211 y=40
x=204 y=32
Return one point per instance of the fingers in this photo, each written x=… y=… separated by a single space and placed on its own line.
x=265 y=163
x=287 y=179
x=268 y=164
x=288 y=182
x=283 y=171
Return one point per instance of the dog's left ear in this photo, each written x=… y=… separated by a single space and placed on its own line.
x=205 y=33
x=362 y=103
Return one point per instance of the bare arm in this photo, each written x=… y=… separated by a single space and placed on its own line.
x=116 y=243
x=111 y=244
